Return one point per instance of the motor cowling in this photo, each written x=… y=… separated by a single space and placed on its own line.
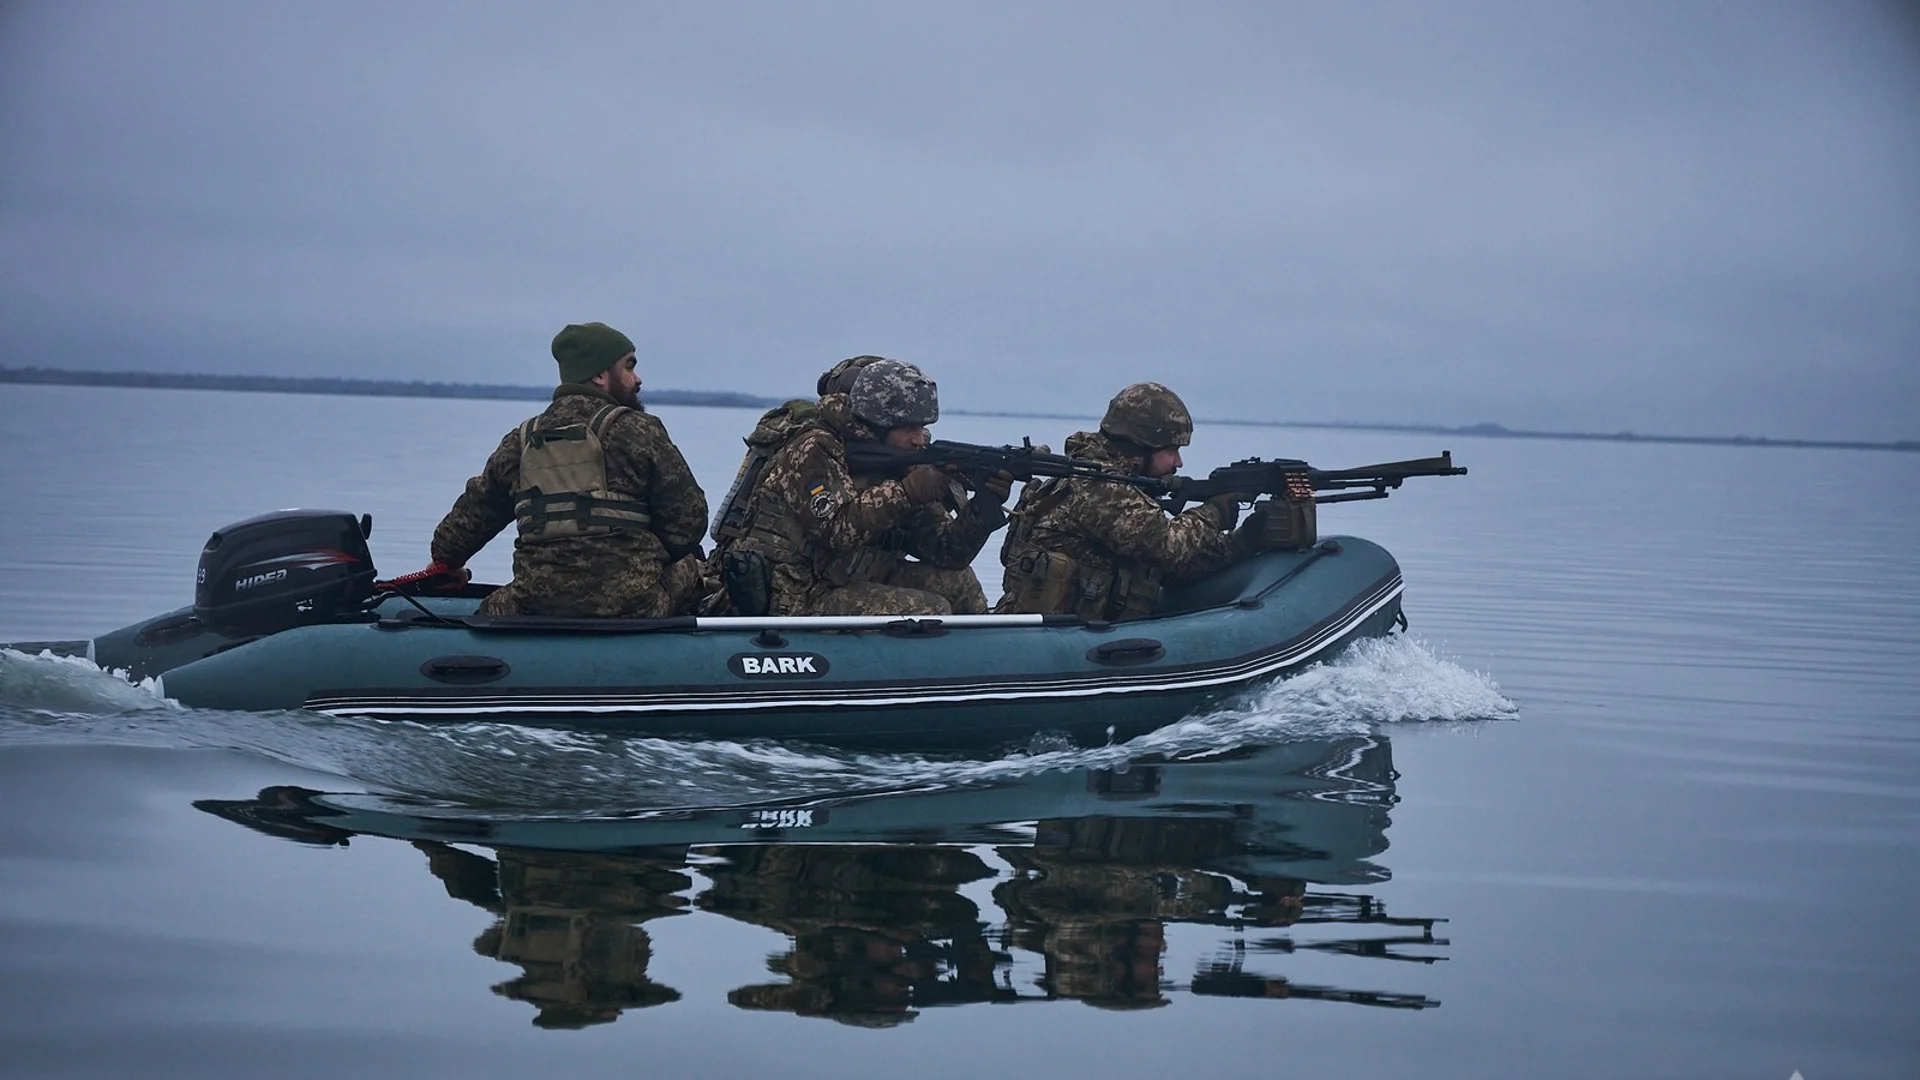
x=284 y=569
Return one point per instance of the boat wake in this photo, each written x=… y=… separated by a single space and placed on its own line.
x=49 y=687
x=536 y=772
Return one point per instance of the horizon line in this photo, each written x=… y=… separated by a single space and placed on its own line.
x=350 y=386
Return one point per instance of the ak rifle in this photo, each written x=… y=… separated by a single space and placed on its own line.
x=974 y=463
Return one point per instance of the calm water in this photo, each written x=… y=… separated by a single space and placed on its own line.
x=1640 y=798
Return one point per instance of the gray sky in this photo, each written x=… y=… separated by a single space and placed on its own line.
x=1688 y=217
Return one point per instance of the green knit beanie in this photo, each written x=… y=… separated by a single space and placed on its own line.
x=584 y=350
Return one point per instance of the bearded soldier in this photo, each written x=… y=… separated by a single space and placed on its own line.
x=1103 y=549
x=610 y=518
x=800 y=535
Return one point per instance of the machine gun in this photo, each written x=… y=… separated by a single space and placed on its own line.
x=1291 y=487
x=1296 y=481
x=1287 y=518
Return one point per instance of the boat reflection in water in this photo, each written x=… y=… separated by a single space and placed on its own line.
x=1057 y=885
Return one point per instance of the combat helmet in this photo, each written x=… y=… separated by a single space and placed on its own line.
x=838 y=379
x=1148 y=415
x=892 y=394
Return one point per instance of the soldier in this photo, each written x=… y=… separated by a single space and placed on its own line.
x=1102 y=550
x=799 y=535
x=838 y=379
x=751 y=579
x=610 y=518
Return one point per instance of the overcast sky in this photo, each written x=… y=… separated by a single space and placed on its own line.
x=1682 y=217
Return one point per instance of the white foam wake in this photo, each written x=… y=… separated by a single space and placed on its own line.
x=46 y=683
x=1374 y=684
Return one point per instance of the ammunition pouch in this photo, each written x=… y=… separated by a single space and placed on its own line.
x=1284 y=525
x=748 y=578
x=1052 y=583
x=1045 y=581
x=1133 y=594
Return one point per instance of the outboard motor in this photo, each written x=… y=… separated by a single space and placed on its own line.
x=284 y=569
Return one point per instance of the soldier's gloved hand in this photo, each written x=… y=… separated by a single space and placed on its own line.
x=924 y=483
x=1252 y=533
x=1228 y=507
x=996 y=488
x=436 y=575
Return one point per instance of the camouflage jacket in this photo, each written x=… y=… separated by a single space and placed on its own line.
x=586 y=576
x=1116 y=535
x=821 y=527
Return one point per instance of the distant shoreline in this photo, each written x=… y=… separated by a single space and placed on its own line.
x=281 y=384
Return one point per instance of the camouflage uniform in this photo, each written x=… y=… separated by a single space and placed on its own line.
x=1120 y=547
x=837 y=544
x=639 y=573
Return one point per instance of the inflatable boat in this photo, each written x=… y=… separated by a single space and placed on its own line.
x=287 y=616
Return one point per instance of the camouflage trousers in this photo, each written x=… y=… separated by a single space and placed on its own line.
x=635 y=591
x=911 y=588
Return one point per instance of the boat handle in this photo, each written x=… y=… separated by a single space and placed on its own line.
x=1133 y=650
x=465 y=669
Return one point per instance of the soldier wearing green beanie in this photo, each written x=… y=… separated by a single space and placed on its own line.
x=609 y=517
x=584 y=350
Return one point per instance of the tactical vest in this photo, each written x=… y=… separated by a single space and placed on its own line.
x=563 y=483
x=774 y=530
x=879 y=560
x=1055 y=583
x=777 y=428
x=768 y=525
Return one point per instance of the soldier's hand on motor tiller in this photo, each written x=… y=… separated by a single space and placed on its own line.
x=436 y=575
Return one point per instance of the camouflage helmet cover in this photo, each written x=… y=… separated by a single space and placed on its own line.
x=838 y=379
x=1150 y=415
x=893 y=393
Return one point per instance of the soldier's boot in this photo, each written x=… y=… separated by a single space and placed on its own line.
x=959 y=588
x=867 y=598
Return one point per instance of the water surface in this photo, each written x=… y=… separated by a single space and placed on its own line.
x=1637 y=797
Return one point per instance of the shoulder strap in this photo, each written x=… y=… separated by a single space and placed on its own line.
x=607 y=415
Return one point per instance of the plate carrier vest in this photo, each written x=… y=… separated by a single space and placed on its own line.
x=772 y=526
x=1054 y=583
x=563 y=483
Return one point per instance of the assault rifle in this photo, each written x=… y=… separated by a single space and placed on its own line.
x=974 y=463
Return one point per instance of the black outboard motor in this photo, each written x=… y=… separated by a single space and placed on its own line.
x=285 y=569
